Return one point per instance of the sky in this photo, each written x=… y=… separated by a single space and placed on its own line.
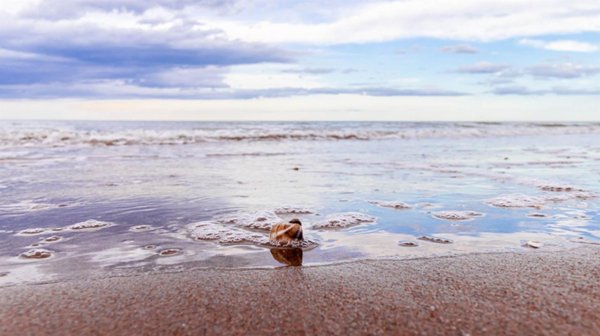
x=300 y=60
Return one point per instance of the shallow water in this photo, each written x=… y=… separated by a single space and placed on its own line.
x=123 y=197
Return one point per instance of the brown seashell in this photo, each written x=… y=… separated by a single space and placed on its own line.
x=288 y=256
x=286 y=233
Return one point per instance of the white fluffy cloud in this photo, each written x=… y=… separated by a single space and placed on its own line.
x=561 y=45
x=477 y=20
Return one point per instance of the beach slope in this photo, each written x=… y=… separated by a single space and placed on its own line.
x=554 y=293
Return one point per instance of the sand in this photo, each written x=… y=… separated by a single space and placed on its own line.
x=538 y=292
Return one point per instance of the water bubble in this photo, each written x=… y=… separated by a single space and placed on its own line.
x=32 y=231
x=37 y=254
x=435 y=240
x=141 y=228
x=52 y=239
x=170 y=252
x=90 y=224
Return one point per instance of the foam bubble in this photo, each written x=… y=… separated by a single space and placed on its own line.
x=536 y=202
x=558 y=187
x=228 y=234
x=169 y=252
x=32 y=232
x=457 y=215
x=37 y=254
x=435 y=240
x=261 y=220
x=225 y=234
x=90 y=225
x=52 y=239
x=408 y=244
x=517 y=201
x=141 y=228
x=391 y=204
x=288 y=210
x=344 y=220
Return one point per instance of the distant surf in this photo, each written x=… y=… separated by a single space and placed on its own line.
x=181 y=133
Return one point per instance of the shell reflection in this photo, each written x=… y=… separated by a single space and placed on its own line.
x=288 y=256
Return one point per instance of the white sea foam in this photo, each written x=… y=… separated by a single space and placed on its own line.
x=344 y=220
x=37 y=254
x=89 y=225
x=290 y=210
x=225 y=233
x=517 y=201
x=261 y=220
x=141 y=228
x=32 y=231
x=457 y=215
x=57 y=136
x=391 y=204
x=537 y=202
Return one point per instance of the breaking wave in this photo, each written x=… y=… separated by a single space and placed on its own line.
x=68 y=136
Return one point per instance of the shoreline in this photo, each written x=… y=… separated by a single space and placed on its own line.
x=538 y=292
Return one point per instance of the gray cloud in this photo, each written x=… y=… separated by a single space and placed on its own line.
x=516 y=90
x=318 y=71
x=460 y=49
x=62 y=9
x=71 y=52
x=564 y=70
x=312 y=71
x=109 y=89
x=483 y=68
x=561 y=91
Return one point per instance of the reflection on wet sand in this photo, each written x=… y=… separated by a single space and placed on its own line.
x=288 y=256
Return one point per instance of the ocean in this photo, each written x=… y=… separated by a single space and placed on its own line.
x=83 y=199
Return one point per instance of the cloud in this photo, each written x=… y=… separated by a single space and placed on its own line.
x=467 y=20
x=562 y=70
x=483 y=68
x=50 y=9
x=516 y=90
x=460 y=49
x=112 y=89
x=93 y=50
x=205 y=77
x=561 y=91
x=560 y=45
x=502 y=72
x=312 y=71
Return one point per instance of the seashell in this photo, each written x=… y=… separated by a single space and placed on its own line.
x=286 y=233
x=288 y=256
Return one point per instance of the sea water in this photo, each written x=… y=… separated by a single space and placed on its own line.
x=88 y=199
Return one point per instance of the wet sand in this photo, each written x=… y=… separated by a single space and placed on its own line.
x=538 y=292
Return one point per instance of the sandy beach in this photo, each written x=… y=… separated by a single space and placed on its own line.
x=533 y=293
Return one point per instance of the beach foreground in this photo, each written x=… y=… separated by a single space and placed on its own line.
x=505 y=293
